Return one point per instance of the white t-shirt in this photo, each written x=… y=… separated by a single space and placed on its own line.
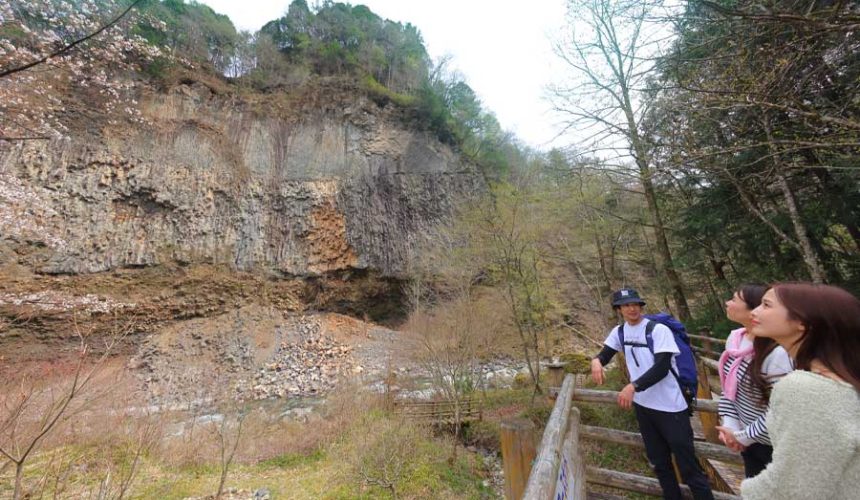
x=666 y=394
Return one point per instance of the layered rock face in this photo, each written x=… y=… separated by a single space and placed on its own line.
x=335 y=187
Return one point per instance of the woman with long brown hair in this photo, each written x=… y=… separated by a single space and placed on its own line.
x=814 y=418
x=748 y=369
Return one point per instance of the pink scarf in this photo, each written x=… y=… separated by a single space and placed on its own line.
x=729 y=380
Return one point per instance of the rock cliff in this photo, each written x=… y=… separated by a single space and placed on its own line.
x=337 y=183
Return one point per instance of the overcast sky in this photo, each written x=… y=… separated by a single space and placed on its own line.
x=502 y=47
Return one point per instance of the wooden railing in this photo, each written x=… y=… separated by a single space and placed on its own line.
x=441 y=412
x=706 y=338
x=707 y=342
x=559 y=470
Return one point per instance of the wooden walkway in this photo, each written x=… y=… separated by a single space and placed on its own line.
x=727 y=476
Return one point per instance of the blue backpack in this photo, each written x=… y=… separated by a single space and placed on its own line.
x=686 y=375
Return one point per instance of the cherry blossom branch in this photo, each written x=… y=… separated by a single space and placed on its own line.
x=71 y=45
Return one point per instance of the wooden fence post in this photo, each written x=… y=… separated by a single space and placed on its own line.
x=555 y=378
x=553 y=475
x=518 y=453
x=577 y=455
x=710 y=421
x=707 y=344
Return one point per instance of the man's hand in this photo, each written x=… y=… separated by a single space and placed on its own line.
x=727 y=436
x=625 y=397
x=597 y=371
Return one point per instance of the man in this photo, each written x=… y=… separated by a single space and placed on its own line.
x=655 y=395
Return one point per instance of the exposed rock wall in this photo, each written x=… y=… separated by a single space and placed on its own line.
x=208 y=181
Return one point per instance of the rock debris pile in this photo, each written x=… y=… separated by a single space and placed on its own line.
x=307 y=367
x=251 y=354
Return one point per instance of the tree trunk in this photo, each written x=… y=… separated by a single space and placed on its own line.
x=715 y=296
x=601 y=259
x=19 y=477
x=641 y=156
x=752 y=206
x=221 y=483
x=607 y=282
x=717 y=266
x=663 y=245
x=656 y=271
x=810 y=256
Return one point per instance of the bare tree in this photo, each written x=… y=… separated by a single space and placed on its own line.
x=35 y=408
x=450 y=340
x=611 y=53
x=386 y=452
x=230 y=434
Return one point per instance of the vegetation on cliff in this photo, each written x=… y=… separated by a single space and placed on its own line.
x=172 y=39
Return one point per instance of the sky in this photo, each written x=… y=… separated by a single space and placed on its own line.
x=503 y=48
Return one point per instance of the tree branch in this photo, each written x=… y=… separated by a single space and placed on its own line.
x=71 y=45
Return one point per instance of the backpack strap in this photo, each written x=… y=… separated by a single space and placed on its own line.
x=632 y=344
x=649 y=339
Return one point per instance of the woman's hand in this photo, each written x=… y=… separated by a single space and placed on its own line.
x=727 y=436
x=597 y=371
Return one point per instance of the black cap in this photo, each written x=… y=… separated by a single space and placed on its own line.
x=626 y=296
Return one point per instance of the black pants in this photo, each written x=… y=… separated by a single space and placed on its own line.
x=756 y=458
x=666 y=434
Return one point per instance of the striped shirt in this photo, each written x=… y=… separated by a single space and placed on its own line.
x=746 y=414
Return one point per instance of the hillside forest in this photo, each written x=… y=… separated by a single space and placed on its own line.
x=713 y=143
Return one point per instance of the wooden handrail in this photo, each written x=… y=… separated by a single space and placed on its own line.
x=558 y=461
x=559 y=447
x=641 y=484
x=611 y=397
x=706 y=450
x=703 y=337
x=706 y=351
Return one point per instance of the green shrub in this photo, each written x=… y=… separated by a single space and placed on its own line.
x=539 y=414
x=521 y=381
x=380 y=93
x=576 y=362
x=483 y=434
x=158 y=68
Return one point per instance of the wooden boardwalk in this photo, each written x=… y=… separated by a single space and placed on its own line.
x=729 y=475
x=725 y=476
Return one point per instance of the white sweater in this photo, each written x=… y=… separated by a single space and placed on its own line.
x=814 y=424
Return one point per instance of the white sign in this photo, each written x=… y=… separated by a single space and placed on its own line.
x=565 y=480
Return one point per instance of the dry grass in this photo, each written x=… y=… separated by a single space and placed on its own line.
x=113 y=443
